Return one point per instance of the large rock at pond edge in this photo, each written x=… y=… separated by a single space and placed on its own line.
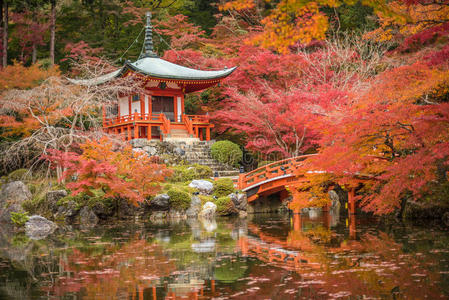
x=150 y=150
x=68 y=210
x=139 y=143
x=240 y=200
x=195 y=207
x=208 y=211
x=203 y=186
x=37 y=227
x=87 y=217
x=179 y=151
x=160 y=202
x=12 y=196
x=102 y=210
x=53 y=198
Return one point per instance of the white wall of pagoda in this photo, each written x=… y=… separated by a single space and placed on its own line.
x=180 y=108
x=124 y=106
x=135 y=107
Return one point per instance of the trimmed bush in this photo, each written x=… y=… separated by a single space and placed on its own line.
x=179 y=199
x=225 y=206
x=226 y=152
x=183 y=173
x=223 y=187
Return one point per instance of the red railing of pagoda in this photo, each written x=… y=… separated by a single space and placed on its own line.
x=199 y=118
x=274 y=170
x=165 y=124
x=188 y=122
x=157 y=118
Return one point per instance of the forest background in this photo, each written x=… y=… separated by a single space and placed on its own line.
x=362 y=83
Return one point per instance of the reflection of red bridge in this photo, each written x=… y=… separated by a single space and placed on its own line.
x=275 y=177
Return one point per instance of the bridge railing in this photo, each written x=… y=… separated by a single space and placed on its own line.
x=278 y=169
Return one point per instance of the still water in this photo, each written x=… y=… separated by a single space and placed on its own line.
x=262 y=257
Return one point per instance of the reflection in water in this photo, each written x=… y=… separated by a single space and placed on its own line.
x=318 y=256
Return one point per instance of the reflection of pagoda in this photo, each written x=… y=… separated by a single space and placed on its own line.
x=158 y=112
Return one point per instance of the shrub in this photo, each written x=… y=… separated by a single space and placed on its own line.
x=179 y=199
x=225 y=206
x=223 y=187
x=226 y=152
x=19 y=218
x=190 y=172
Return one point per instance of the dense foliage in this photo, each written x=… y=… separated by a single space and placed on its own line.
x=119 y=174
x=363 y=84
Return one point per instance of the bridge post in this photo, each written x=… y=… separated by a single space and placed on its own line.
x=297 y=226
x=240 y=182
x=351 y=201
x=352 y=227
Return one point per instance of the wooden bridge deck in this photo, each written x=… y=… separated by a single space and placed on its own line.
x=276 y=177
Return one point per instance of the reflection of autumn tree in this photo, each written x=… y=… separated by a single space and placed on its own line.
x=374 y=265
x=115 y=271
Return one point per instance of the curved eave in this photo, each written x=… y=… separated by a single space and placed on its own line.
x=223 y=74
x=97 y=80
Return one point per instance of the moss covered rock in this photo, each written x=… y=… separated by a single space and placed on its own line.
x=223 y=187
x=179 y=199
x=225 y=206
x=182 y=173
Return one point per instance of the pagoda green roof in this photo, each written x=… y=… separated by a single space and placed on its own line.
x=159 y=68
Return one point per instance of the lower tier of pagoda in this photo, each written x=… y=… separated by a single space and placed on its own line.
x=158 y=126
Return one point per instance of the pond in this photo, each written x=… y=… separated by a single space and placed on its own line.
x=322 y=256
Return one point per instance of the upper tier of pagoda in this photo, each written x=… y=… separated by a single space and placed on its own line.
x=158 y=70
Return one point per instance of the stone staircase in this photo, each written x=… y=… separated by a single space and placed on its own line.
x=199 y=153
x=179 y=133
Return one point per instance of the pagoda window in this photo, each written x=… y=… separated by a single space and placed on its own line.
x=163 y=105
x=136 y=97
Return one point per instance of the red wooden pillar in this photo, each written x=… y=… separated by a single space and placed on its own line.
x=212 y=286
x=129 y=132
x=154 y=293
x=351 y=201
x=200 y=131
x=129 y=106
x=196 y=132
x=149 y=132
x=140 y=288
x=208 y=134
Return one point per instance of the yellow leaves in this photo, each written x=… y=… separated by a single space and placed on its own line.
x=289 y=23
x=400 y=18
x=21 y=77
x=238 y=5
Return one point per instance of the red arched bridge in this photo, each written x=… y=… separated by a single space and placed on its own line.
x=275 y=177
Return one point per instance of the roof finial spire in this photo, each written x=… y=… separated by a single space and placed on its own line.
x=148 y=43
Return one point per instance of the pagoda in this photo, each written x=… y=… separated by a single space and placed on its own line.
x=158 y=112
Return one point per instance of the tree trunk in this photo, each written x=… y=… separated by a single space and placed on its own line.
x=52 y=31
x=34 y=55
x=1 y=29
x=5 y=34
